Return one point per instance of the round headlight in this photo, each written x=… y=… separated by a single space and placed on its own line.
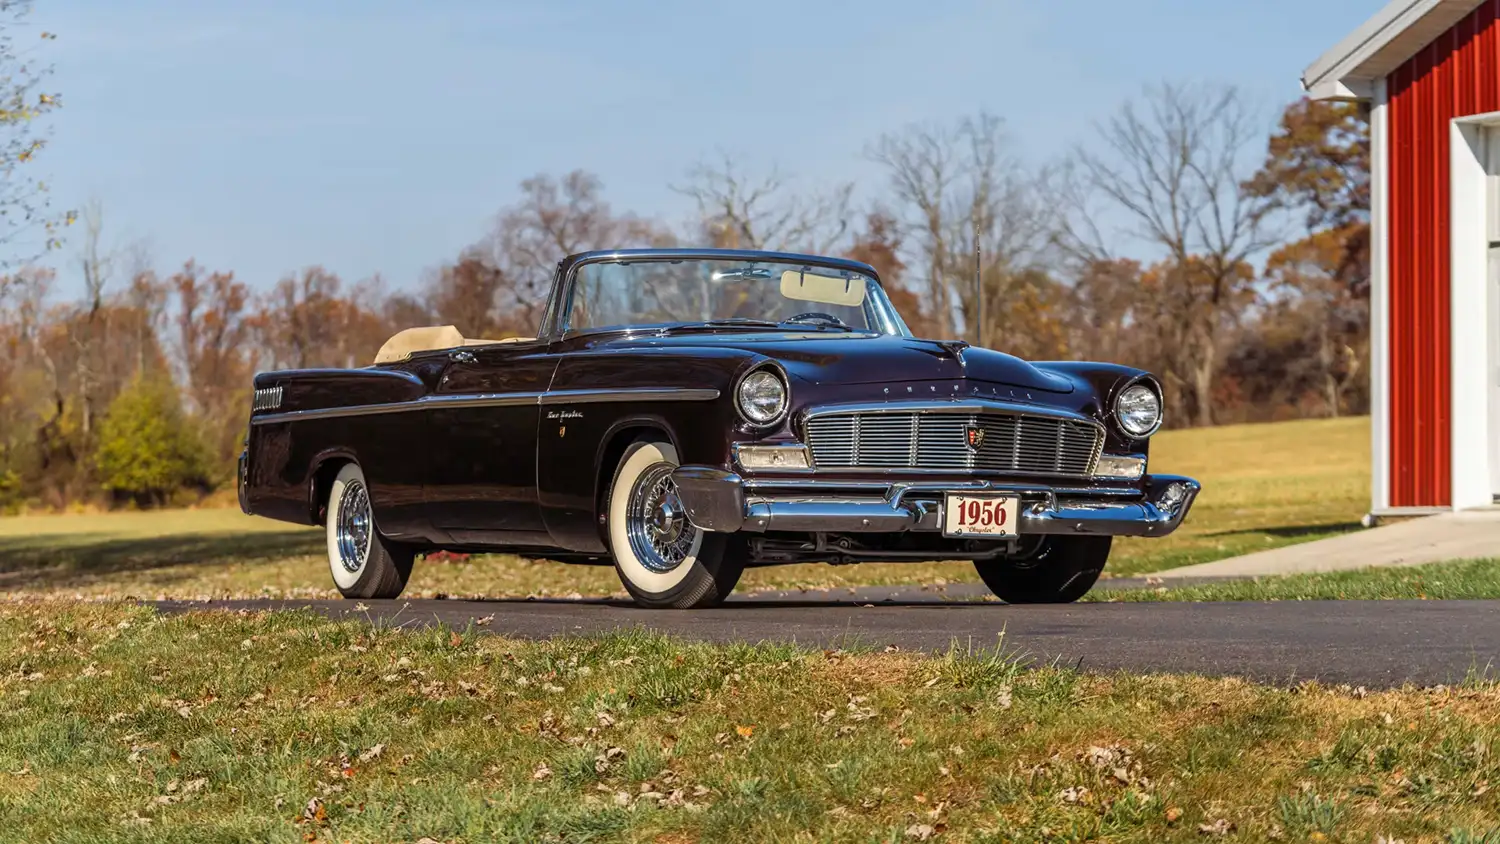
x=762 y=397
x=1138 y=410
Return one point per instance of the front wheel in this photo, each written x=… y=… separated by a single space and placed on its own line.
x=363 y=563
x=1060 y=571
x=662 y=559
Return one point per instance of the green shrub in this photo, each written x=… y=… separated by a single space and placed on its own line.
x=148 y=451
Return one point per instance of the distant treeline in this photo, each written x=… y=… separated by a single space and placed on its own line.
x=139 y=390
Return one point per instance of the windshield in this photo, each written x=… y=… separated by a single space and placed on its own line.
x=728 y=291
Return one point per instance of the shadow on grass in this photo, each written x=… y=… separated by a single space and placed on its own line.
x=1293 y=531
x=43 y=561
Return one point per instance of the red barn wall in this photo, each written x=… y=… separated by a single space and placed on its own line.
x=1456 y=75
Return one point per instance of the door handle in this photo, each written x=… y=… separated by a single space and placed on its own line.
x=461 y=356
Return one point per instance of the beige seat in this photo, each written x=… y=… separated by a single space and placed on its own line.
x=427 y=338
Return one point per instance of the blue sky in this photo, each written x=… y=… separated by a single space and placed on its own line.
x=379 y=136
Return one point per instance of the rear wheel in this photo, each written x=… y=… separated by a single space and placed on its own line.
x=363 y=563
x=662 y=559
x=1060 y=571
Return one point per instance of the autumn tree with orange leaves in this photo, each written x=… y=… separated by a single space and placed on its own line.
x=1318 y=167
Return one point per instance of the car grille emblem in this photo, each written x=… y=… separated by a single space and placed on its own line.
x=975 y=437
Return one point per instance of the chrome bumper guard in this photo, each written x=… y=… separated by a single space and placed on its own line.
x=721 y=501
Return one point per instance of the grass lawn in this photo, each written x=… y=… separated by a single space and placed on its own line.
x=1460 y=579
x=1264 y=486
x=119 y=725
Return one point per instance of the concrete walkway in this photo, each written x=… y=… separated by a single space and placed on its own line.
x=1465 y=535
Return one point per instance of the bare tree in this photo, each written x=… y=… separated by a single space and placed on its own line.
x=958 y=186
x=1170 y=165
x=24 y=205
x=464 y=294
x=743 y=212
x=91 y=323
x=147 y=297
x=555 y=218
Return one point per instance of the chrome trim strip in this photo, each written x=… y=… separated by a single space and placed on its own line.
x=959 y=405
x=423 y=403
x=628 y=394
x=908 y=470
x=812 y=486
x=492 y=400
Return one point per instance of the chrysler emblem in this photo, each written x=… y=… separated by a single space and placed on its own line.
x=975 y=437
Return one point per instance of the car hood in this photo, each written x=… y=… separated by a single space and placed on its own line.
x=823 y=357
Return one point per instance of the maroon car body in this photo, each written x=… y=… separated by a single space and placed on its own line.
x=512 y=446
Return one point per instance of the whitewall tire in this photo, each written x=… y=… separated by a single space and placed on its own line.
x=362 y=562
x=662 y=559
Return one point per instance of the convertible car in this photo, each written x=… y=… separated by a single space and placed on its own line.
x=685 y=413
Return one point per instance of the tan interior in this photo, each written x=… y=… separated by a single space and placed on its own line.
x=427 y=338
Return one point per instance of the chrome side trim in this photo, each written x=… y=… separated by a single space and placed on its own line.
x=628 y=394
x=493 y=400
x=423 y=403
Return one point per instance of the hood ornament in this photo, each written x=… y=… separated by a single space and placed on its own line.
x=956 y=349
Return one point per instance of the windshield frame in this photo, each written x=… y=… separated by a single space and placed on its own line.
x=556 y=318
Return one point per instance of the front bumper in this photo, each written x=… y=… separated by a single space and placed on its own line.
x=722 y=501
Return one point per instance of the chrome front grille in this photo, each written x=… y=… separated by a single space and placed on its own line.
x=1003 y=442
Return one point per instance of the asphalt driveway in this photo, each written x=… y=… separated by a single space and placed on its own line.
x=1369 y=643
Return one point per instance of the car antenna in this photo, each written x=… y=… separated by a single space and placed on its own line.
x=978 y=288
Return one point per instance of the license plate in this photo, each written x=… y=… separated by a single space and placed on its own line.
x=979 y=515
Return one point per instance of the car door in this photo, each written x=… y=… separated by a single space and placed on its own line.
x=482 y=482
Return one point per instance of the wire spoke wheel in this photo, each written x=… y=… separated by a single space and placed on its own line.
x=664 y=560
x=354 y=523
x=660 y=534
x=364 y=564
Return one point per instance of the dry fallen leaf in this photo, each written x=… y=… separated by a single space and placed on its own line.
x=920 y=831
x=1218 y=827
x=745 y=731
x=372 y=754
x=314 y=811
x=1073 y=794
x=542 y=772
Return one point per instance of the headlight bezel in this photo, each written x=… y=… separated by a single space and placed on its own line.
x=769 y=368
x=1143 y=383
